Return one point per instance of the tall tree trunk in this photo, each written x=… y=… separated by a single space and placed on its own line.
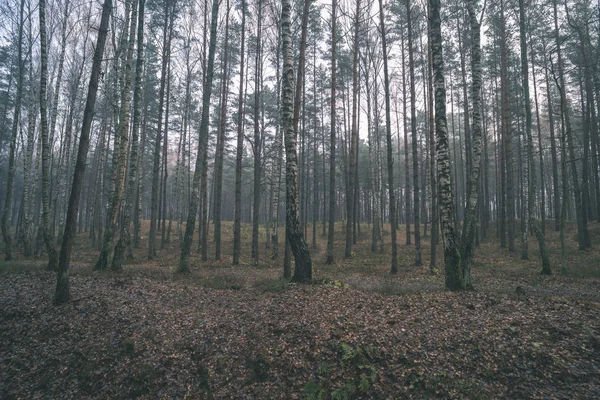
x=28 y=229
x=413 y=128
x=539 y=134
x=555 y=182
x=118 y=175
x=237 y=219
x=468 y=232
x=507 y=132
x=290 y=111
x=201 y=161
x=7 y=212
x=315 y=152
x=54 y=110
x=331 y=229
x=584 y=199
x=125 y=237
x=221 y=139
x=353 y=139
x=569 y=138
x=278 y=165
x=62 y=294
x=546 y=269
x=46 y=148
x=432 y=167
x=454 y=276
x=390 y=157
x=164 y=236
x=166 y=53
x=372 y=167
x=407 y=193
x=257 y=145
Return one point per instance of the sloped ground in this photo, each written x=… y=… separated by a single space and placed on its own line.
x=129 y=336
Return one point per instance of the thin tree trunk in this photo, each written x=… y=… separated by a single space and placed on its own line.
x=201 y=159
x=407 y=193
x=413 y=124
x=125 y=237
x=546 y=269
x=331 y=229
x=555 y=182
x=46 y=149
x=432 y=167
x=507 y=132
x=353 y=139
x=62 y=294
x=221 y=140
x=7 y=212
x=154 y=206
x=468 y=232
x=118 y=174
x=257 y=145
x=539 y=135
x=164 y=235
x=237 y=219
x=390 y=157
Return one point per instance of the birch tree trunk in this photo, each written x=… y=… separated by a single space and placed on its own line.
x=118 y=177
x=468 y=232
x=125 y=237
x=278 y=163
x=290 y=110
x=454 y=276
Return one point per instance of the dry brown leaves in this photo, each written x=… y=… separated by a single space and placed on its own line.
x=129 y=336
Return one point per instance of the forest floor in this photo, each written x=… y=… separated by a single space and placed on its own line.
x=226 y=331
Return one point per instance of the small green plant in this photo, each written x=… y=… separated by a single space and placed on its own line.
x=313 y=391
x=344 y=392
x=259 y=368
x=358 y=360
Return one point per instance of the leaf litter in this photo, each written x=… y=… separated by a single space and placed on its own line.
x=131 y=336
